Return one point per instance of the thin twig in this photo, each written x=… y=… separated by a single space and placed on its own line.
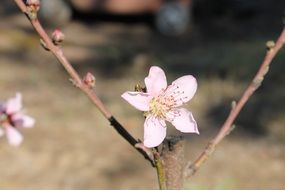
x=160 y=169
x=58 y=53
x=228 y=124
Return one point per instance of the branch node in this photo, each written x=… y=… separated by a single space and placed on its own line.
x=231 y=129
x=74 y=83
x=210 y=148
x=33 y=6
x=270 y=45
x=148 y=151
x=257 y=82
x=44 y=45
x=234 y=104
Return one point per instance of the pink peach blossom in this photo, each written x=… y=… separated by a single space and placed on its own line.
x=162 y=103
x=11 y=118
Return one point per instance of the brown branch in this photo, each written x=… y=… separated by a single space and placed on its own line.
x=76 y=79
x=228 y=124
x=173 y=156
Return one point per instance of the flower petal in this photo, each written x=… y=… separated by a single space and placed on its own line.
x=154 y=131
x=22 y=120
x=156 y=81
x=14 y=105
x=14 y=137
x=139 y=100
x=184 y=88
x=185 y=121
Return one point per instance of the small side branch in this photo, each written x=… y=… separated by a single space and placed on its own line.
x=160 y=170
x=76 y=79
x=131 y=140
x=226 y=128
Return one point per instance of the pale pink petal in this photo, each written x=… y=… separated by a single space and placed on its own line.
x=28 y=121
x=22 y=120
x=154 y=132
x=184 y=121
x=183 y=89
x=14 y=105
x=139 y=100
x=156 y=81
x=14 y=137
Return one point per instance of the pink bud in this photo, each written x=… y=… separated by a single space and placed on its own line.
x=89 y=80
x=57 y=36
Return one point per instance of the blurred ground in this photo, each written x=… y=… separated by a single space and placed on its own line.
x=72 y=147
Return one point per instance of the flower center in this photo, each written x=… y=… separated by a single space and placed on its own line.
x=163 y=106
x=6 y=119
x=159 y=106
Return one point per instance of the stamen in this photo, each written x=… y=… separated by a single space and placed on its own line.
x=172 y=115
x=162 y=106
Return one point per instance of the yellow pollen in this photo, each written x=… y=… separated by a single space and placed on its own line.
x=159 y=106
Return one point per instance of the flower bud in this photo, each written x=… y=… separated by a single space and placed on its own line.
x=57 y=37
x=89 y=80
x=35 y=3
x=139 y=88
x=33 y=6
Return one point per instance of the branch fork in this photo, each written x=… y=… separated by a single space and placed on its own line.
x=171 y=158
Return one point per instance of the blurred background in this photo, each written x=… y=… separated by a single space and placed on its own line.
x=72 y=147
